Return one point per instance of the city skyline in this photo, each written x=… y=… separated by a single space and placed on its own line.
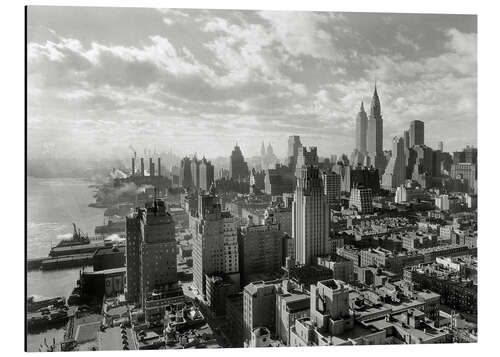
x=257 y=76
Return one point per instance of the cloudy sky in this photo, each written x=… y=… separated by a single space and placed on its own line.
x=100 y=79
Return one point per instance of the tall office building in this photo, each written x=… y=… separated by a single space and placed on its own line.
x=395 y=173
x=133 y=229
x=238 y=168
x=375 y=134
x=151 y=255
x=214 y=249
x=261 y=251
x=361 y=130
x=158 y=250
x=186 y=179
x=440 y=146
x=310 y=217
x=416 y=133
x=293 y=149
x=206 y=174
x=208 y=241
x=332 y=183
x=195 y=173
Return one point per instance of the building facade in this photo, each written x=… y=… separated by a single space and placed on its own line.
x=310 y=216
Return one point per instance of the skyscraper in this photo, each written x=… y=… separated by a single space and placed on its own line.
x=331 y=184
x=293 y=148
x=310 y=217
x=238 y=168
x=151 y=255
x=375 y=134
x=361 y=130
x=206 y=174
x=158 y=250
x=215 y=243
x=416 y=133
x=395 y=173
x=186 y=178
x=195 y=173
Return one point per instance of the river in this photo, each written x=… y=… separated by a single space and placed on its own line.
x=53 y=205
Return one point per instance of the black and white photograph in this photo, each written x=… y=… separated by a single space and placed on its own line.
x=228 y=178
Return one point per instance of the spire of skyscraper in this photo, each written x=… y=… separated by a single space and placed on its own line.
x=375 y=111
x=362 y=108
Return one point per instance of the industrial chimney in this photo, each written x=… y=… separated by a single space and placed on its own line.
x=142 y=166
x=133 y=166
x=159 y=166
x=151 y=167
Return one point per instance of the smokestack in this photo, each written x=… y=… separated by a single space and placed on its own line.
x=142 y=166
x=159 y=167
x=133 y=166
x=151 y=167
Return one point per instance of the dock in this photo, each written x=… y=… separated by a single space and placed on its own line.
x=60 y=262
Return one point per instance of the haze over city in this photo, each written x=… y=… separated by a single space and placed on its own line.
x=201 y=80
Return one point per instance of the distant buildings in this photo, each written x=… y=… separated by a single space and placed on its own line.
x=395 y=173
x=257 y=181
x=268 y=158
x=279 y=180
x=467 y=172
x=405 y=194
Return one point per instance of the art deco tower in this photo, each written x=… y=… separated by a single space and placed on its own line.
x=375 y=133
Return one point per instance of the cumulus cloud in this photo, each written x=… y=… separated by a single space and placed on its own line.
x=248 y=75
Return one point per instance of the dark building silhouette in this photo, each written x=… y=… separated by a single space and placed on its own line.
x=185 y=175
x=238 y=168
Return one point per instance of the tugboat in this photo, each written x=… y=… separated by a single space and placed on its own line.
x=77 y=239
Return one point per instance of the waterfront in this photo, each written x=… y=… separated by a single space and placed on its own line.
x=53 y=205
